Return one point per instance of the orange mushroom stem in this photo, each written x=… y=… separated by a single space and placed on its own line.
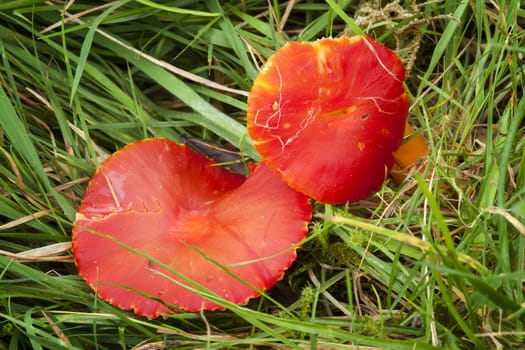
x=410 y=156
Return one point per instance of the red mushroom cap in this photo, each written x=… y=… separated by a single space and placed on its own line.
x=167 y=202
x=326 y=116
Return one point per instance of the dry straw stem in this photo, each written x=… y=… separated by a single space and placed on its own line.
x=513 y=221
x=46 y=253
x=56 y=329
x=24 y=219
x=425 y=246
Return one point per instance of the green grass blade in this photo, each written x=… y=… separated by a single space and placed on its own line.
x=177 y=9
x=86 y=46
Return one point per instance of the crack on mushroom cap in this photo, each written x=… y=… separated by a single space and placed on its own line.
x=379 y=60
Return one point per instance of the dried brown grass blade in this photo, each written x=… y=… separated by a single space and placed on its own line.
x=47 y=253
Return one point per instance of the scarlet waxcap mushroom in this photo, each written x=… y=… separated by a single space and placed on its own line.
x=156 y=200
x=326 y=116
